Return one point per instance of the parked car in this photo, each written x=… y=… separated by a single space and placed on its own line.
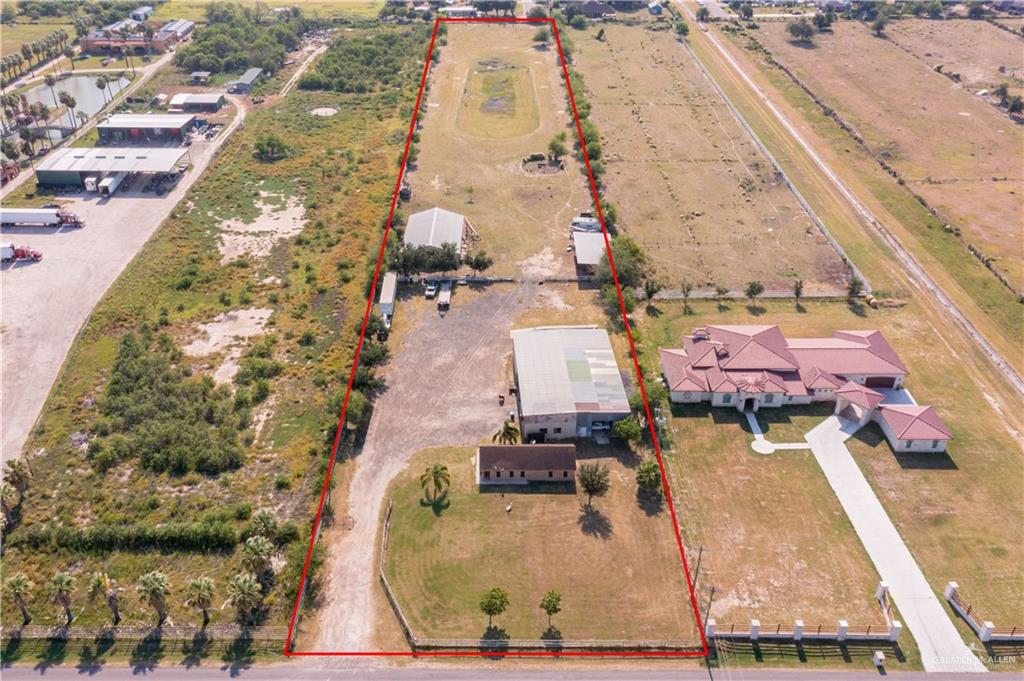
x=431 y=290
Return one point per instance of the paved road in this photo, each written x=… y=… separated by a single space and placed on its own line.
x=442 y=673
x=942 y=648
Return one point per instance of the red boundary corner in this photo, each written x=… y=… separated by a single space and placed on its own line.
x=636 y=367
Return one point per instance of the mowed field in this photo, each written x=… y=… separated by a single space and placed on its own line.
x=616 y=565
x=960 y=514
x=690 y=184
x=195 y=10
x=951 y=147
x=494 y=99
x=13 y=36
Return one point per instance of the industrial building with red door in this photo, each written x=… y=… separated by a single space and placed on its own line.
x=142 y=128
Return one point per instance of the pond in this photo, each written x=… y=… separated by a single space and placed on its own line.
x=89 y=98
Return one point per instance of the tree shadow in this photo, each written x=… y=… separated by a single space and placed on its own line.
x=650 y=502
x=438 y=505
x=594 y=523
x=54 y=653
x=799 y=307
x=722 y=307
x=146 y=655
x=89 y=662
x=858 y=308
x=197 y=649
x=756 y=310
x=11 y=650
x=494 y=640
x=239 y=655
x=652 y=310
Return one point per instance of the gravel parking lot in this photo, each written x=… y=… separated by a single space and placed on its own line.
x=44 y=304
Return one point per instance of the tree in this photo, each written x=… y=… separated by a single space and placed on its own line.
x=703 y=14
x=879 y=24
x=18 y=588
x=437 y=477
x=51 y=82
x=59 y=592
x=256 y=554
x=556 y=147
x=508 y=435
x=628 y=429
x=551 y=604
x=493 y=603
x=801 y=30
x=9 y=499
x=542 y=36
x=479 y=261
x=270 y=147
x=682 y=28
x=26 y=53
x=126 y=54
x=102 y=84
x=1015 y=104
x=70 y=103
x=975 y=10
x=798 y=290
x=753 y=290
x=855 y=287
x=687 y=290
x=651 y=288
x=18 y=474
x=746 y=11
x=629 y=264
x=823 y=20
x=101 y=586
x=245 y=594
x=70 y=54
x=594 y=479
x=264 y=522
x=537 y=12
x=200 y=597
x=153 y=589
x=648 y=476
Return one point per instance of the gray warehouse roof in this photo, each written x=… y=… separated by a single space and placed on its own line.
x=248 y=78
x=566 y=370
x=435 y=227
x=589 y=247
x=183 y=98
x=104 y=160
x=164 y=121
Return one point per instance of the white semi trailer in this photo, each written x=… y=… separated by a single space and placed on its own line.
x=39 y=217
x=109 y=184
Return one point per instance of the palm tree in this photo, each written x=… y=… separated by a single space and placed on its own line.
x=9 y=499
x=18 y=474
x=18 y=588
x=256 y=554
x=102 y=586
x=70 y=102
x=437 y=477
x=126 y=53
x=70 y=54
x=26 y=54
x=508 y=435
x=200 y=597
x=51 y=82
x=245 y=594
x=101 y=83
x=59 y=592
x=153 y=589
x=148 y=32
x=264 y=523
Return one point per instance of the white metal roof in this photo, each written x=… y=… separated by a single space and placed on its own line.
x=175 y=121
x=195 y=98
x=104 y=160
x=388 y=288
x=589 y=247
x=567 y=370
x=435 y=227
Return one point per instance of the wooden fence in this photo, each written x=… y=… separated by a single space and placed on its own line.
x=500 y=646
x=983 y=628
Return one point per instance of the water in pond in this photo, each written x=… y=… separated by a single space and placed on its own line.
x=89 y=98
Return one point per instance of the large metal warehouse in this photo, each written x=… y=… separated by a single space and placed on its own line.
x=134 y=128
x=71 y=166
x=568 y=381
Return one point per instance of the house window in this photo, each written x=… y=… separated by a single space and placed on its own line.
x=565 y=474
x=686 y=396
x=727 y=399
x=558 y=430
x=543 y=431
x=511 y=474
x=522 y=474
x=906 y=445
x=497 y=474
x=768 y=399
x=935 y=444
x=551 y=474
x=487 y=475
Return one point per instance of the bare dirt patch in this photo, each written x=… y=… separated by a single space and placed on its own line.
x=323 y=111
x=967 y=167
x=257 y=238
x=689 y=182
x=227 y=331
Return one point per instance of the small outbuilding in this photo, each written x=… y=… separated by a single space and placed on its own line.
x=589 y=248
x=191 y=101
x=140 y=14
x=436 y=227
x=243 y=85
x=522 y=464
x=913 y=428
x=654 y=8
x=199 y=77
x=388 y=291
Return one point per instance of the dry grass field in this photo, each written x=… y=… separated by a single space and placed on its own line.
x=952 y=148
x=495 y=98
x=981 y=53
x=689 y=183
x=960 y=514
x=616 y=565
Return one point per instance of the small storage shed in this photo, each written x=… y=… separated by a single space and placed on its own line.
x=388 y=291
x=589 y=247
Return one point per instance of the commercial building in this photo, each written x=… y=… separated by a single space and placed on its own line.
x=191 y=101
x=436 y=227
x=522 y=464
x=114 y=37
x=73 y=167
x=173 y=32
x=243 y=85
x=568 y=382
x=135 y=128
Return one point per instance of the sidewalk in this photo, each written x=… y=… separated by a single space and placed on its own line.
x=942 y=648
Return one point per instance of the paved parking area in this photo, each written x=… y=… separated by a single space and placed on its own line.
x=43 y=305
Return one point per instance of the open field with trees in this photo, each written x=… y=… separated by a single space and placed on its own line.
x=496 y=97
x=323 y=9
x=967 y=169
x=614 y=563
x=251 y=461
x=942 y=505
x=690 y=184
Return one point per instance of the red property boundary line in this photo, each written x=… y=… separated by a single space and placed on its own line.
x=636 y=366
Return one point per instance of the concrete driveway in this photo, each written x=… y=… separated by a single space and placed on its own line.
x=942 y=648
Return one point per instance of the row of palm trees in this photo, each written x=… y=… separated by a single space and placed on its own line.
x=243 y=591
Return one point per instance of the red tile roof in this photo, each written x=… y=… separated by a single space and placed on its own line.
x=863 y=396
x=914 y=422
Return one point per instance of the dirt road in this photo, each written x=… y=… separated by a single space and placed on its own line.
x=917 y=275
x=45 y=304
x=442 y=387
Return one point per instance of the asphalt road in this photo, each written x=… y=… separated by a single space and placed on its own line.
x=297 y=672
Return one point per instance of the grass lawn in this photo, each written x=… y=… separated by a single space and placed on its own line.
x=617 y=566
x=499 y=100
x=789 y=424
x=17 y=34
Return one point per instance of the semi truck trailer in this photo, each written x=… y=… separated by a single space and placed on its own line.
x=39 y=217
